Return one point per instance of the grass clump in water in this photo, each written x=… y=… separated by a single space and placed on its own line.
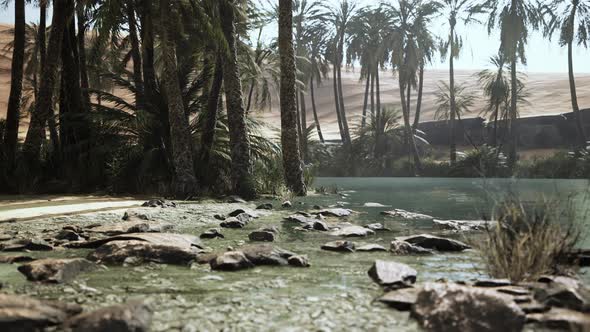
x=527 y=242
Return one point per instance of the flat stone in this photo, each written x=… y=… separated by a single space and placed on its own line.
x=23 y=313
x=232 y=222
x=53 y=270
x=353 y=231
x=161 y=203
x=564 y=295
x=170 y=239
x=238 y=212
x=298 y=261
x=120 y=252
x=68 y=235
x=462 y=225
x=373 y=205
x=371 y=247
x=562 y=320
x=338 y=213
x=340 y=246
x=15 y=259
x=134 y=316
x=377 y=227
x=392 y=274
x=231 y=261
x=265 y=206
x=436 y=243
x=26 y=244
x=403 y=248
x=127 y=227
x=266 y=254
x=453 y=307
x=244 y=217
x=135 y=216
x=492 y=283
x=262 y=236
x=211 y=234
x=406 y=215
x=401 y=299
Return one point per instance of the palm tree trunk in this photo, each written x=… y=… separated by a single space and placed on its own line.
x=315 y=111
x=147 y=43
x=576 y=109
x=303 y=106
x=84 y=83
x=453 y=110
x=41 y=40
x=372 y=95
x=337 y=103
x=185 y=183
x=241 y=169
x=299 y=129
x=513 y=114
x=135 y=54
x=289 y=138
x=16 y=82
x=340 y=92
x=419 y=100
x=413 y=149
x=366 y=100
x=495 y=138
x=43 y=107
x=378 y=93
x=408 y=98
x=208 y=135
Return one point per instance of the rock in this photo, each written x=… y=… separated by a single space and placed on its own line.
x=220 y=217
x=300 y=219
x=298 y=261
x=68 y=235
x=244 y=217
x=127 y=227
x=134 y=216
x=371 y=247
x=461 y=225
x=452 y=307
x=339 y=213
x=159 y=203
x=236 y=199
x=353 y=231
x=262 y=236
x=377 y=227
x=434 y=242
x=287 y=204
x=403 y=248
x=317 y=207
x=266 y=254
x=211 y=234
x=319 y=225
x=120 y=252
x=232 y=222
x=236 y=213
x=407 y=215
x=562 y=320
x=134 y=316
x=53 y=270
x=579 y=257
x=373 y=205
x=231 y=261
x=401 y=299
x=22 y=313
x=492 y=283
x=265 y=206
x=172 y=239
x=15 y=259
x=564 y=295
x=26 y=244
x=392 y=274
x=340 y=246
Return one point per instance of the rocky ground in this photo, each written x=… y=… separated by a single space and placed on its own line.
x=267 y=266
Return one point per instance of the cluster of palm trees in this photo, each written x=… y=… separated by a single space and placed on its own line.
x=167 y=87
x=398 y=35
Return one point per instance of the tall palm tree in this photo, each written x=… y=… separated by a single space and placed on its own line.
x=289 y=137
x=515 y=18
x=572 y=19
x=185 y=182
x=496 y=88
x=317 y=43
x=16 y=82
x=456 y=11
x=241 y=169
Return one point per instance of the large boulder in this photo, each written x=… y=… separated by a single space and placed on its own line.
x=231 y=261
x=120 y=252
x=353 y=231
x=21 y=313
x=435 y=242
x=134 y=316
x=54 y=270
x=403 y=248
x=452 y=307
x=392 y=274
x=406 y=215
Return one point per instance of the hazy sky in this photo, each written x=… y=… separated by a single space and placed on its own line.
x=543 y=56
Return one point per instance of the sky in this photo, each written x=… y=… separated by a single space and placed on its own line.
x=543 y=56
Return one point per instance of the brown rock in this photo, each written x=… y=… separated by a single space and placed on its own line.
x=392 y=274
x=134 y=316
x=21 y=313
x=53 y=270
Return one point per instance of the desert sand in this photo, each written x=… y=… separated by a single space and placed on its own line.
x=549 y=94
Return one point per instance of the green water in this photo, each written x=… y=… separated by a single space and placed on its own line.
x=334 y=294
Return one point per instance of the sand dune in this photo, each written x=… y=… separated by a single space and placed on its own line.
x=549 y=94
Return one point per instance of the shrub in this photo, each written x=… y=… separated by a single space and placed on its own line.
x=527 y=242
x=485 y=161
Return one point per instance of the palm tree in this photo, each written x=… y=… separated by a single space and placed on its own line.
x=496 y=88
x=236 y=114
x=515 y=18
x=456 y=11
x=318 y=69
x=461 y=98
x=572 y=19
x=16 y=82
x=289 y=137
x=182 y=152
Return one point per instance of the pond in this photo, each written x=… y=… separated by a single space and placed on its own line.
x=335 y=293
